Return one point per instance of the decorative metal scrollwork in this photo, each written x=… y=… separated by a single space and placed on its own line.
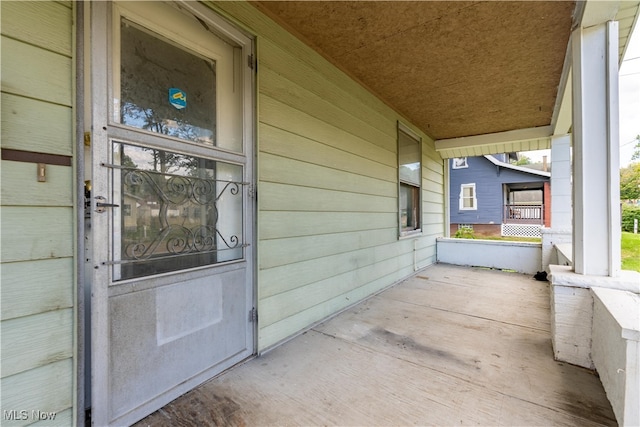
x=179 y=189
x=179 y=240
x=170 y=193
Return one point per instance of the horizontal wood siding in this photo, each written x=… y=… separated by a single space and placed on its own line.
x=33 y=125
x=328 y=186
x=39 y=389
x=33 y=287
x=38 y=238
x=49 y=330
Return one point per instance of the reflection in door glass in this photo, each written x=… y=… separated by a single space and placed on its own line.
x=177 y=211
x=166 y=89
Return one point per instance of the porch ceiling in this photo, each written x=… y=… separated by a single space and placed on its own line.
x=456 y=68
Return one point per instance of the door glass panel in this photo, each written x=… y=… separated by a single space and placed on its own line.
x=177 y=211
x=166 y=89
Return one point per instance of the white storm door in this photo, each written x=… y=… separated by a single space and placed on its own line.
x=172 y=216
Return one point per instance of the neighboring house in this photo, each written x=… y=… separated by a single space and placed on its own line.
x=255 y=167
x=493 y=197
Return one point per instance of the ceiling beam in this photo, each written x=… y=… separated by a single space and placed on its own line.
x=562 y=119
x=598 y=12
x=589 y=13
x=537 y=138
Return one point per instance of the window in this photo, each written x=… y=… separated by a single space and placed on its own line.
x=180 y=211
x=459 y=163
x=148 y=99
x=468 y=200
x=410 y=177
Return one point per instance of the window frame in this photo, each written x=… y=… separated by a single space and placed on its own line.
x=459 y=163
x=461 y=198
x=416 y=193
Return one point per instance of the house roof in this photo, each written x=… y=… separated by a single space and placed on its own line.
x=517 y=168
x=456 y=69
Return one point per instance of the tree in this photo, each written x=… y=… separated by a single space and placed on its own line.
x=630 y=182
x=522 y=160
x=636 y=149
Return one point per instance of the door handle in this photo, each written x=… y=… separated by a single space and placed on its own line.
x=102 y=205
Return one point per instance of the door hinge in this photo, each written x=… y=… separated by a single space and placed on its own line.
x=253 y=315
x=251 y=61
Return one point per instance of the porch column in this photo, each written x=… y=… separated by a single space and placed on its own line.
x=596 y=195
x=596 y=210
x=561 y=211
x=559 y=234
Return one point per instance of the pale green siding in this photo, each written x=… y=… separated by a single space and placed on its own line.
x=327 y=171
x=38 y=314
x=327 y=214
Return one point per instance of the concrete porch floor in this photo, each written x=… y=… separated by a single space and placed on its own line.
x=449 y=346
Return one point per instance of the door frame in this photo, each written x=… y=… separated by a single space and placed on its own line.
x=95 y=27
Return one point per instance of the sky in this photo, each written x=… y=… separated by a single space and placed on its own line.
x=629 y=88
x=630 y=98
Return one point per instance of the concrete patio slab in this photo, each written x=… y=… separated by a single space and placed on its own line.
x=449 y=346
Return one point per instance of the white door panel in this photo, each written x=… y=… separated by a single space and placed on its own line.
x=180 y=329
x=172 y=217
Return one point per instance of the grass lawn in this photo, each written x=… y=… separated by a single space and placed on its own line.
x=630 y=248
x=630 y=251
x=511 y=239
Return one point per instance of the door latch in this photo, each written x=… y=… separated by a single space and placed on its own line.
x=101 y=205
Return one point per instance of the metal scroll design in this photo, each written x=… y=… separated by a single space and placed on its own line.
x=176 y=191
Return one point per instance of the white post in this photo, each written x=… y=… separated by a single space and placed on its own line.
x=561 y=212
x=596 y=191
x=447 y=197
x=635 y=226
x=596 y=232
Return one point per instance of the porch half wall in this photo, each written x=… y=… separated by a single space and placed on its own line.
x=327 y=186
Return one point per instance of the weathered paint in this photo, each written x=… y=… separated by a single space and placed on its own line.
x=449 y=346
x=328 y=184
x=572 y=310
x=616 y=350
x=46 y=389
x=596 y=162
x=38 y=311
x=523 y=257
x=52 y=134
x=327 y=218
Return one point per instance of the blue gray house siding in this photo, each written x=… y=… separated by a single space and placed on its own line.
x=489 y=179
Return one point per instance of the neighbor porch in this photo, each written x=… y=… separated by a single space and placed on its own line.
x=449 y=346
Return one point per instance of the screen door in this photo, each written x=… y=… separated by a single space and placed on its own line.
x=172 y=213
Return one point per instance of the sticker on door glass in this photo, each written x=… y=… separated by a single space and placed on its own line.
x=177 y=98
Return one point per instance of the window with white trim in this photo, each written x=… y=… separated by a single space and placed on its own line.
x=468 y=200
x=459 y=163
x=410 y=178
